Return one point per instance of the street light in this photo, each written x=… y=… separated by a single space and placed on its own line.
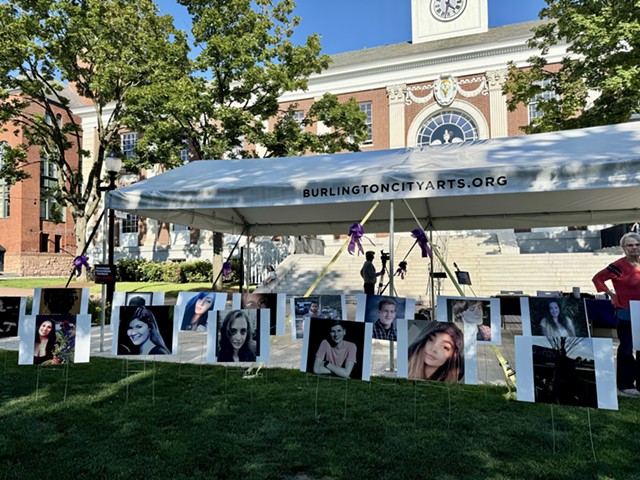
x=112 y=164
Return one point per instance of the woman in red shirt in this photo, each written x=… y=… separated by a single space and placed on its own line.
x=624 y=274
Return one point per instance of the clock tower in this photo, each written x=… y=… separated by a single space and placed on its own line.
x=439 y=19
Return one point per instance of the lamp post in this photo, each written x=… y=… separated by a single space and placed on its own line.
x=112 y=164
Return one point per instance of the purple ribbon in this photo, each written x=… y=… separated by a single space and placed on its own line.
x=78 y=262
x=355 y=232
x=226 y=270
x=421 y=238
x=402 y=270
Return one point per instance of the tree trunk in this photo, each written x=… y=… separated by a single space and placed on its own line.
x=217 y=260
x=81 y=242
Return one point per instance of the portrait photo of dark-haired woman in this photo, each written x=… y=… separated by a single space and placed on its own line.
x=145 y=330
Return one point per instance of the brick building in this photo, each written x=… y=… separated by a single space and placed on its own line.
x=36 y=234
x=443 y=86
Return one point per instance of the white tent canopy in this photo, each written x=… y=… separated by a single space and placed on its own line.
x=577 y=177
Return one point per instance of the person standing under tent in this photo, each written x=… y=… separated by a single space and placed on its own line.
x=369 y=274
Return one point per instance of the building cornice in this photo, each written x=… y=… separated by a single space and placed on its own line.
x=378 y=67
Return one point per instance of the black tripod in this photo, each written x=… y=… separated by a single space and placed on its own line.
x=384 y=257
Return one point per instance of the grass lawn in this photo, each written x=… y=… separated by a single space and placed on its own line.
x=191 y=422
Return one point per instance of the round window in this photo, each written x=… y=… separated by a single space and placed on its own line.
x=447 y=126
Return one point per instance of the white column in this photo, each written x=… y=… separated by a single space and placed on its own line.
x=395 y=94
x=497 y=104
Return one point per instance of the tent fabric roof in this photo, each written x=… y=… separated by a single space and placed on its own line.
x=576 y=177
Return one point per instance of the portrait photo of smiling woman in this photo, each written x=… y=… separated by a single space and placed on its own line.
x=145 y=331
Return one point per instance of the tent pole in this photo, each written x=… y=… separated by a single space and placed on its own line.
x=249 y=265
x=104 y=285
x=433 y=280
x=392 y=290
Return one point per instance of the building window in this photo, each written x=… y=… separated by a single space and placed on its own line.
x=184 y=155
x=130 y=224
x=367 y=108
x=128 y=143
x=5 y=199
x=533 y=104
x=298 y=116
x=448 y=126
x=50 y=208
x=57 y=241
x=59 y=120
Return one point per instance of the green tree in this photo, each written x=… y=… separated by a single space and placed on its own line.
x=106 y=49
x=221 y=106
x=598 y=82
x=245 y=61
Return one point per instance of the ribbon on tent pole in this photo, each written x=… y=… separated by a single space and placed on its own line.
x=423 y=243
x=402 y=269
x=79 y=262
x=507 y=370
x=227 y=261
x=226 y=270
x=355 y=233
x=86 y=246
x=339 y=252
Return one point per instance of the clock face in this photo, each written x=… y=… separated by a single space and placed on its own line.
x=447 y=10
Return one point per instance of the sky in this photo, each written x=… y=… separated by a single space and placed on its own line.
x=347 y=25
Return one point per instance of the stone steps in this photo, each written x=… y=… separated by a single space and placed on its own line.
x=490 y=270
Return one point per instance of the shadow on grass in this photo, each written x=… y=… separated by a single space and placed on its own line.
x=191 y=421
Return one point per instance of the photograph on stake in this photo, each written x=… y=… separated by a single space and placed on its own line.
x=315 y=306
x=240 y=335
x=634 y=309
x=431 y=350
x=55 y=339
x=275 y=302
x=482 y=313
x=148 y=330
x=383 y=312
x=134 y=299
x=574 y=371
x=193 y=308
x=53 y=301
x=554 y=317
x=337 y=348
x=12 y=310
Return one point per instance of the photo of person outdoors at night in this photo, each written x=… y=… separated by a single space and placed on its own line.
x=558 y=317
x=9 y=316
